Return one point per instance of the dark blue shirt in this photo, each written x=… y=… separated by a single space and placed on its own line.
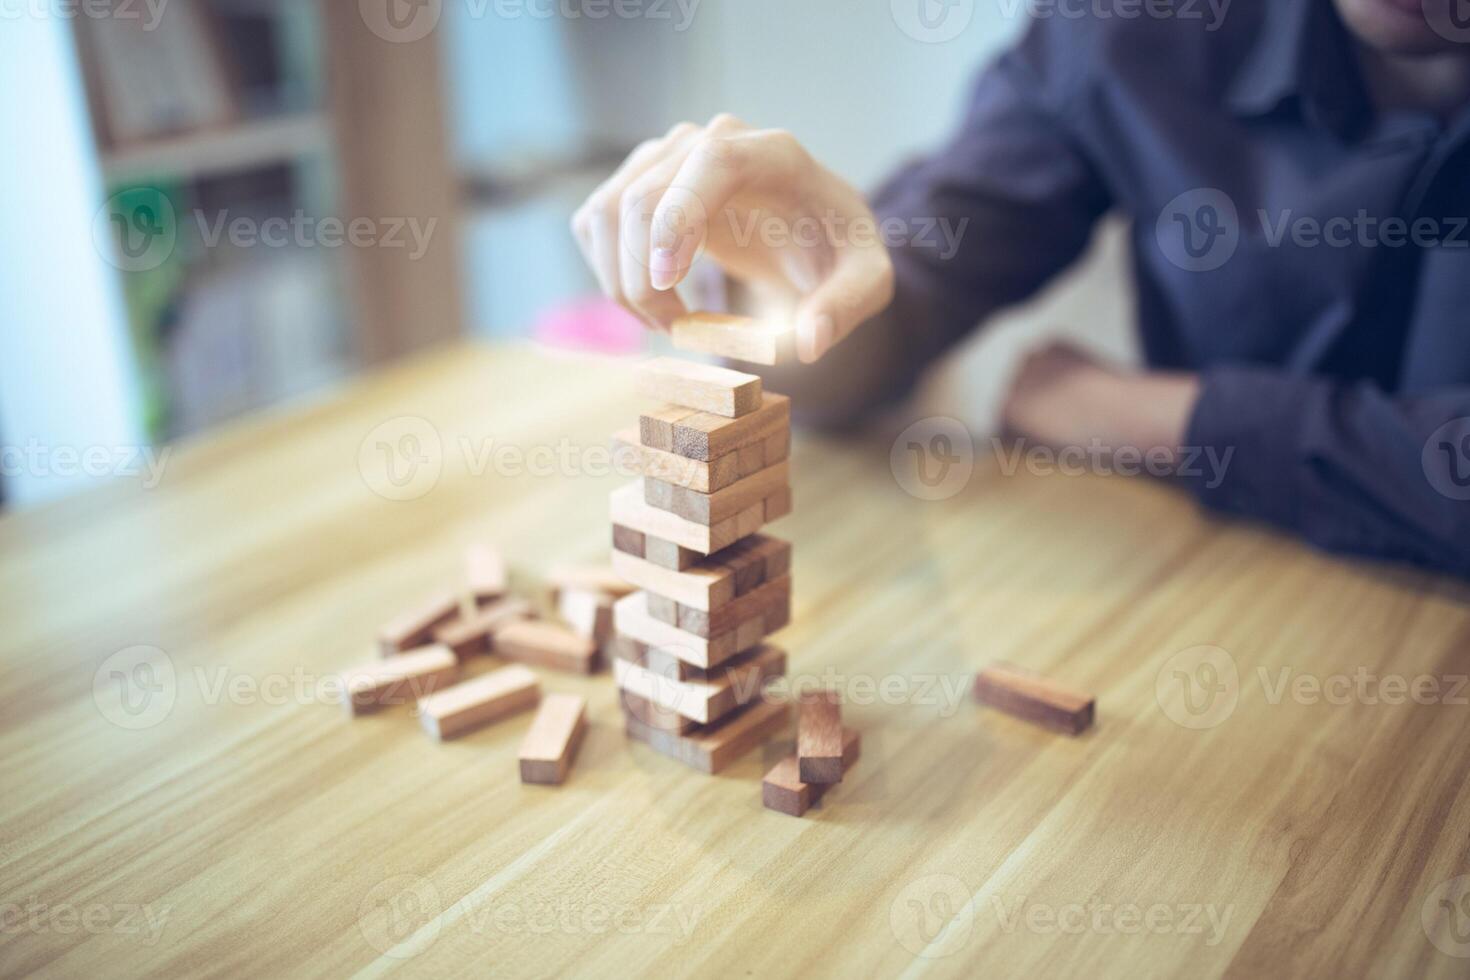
x=1309 y=256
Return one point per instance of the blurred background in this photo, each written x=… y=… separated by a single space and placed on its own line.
x=222 y=206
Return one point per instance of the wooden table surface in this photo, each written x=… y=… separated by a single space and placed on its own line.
x=1259 y=795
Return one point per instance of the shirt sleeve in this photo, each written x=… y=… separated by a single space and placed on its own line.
x=1347 y=466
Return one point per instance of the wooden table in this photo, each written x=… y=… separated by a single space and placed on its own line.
x=226 y=820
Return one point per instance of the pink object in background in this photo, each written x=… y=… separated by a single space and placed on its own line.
x=593 y=324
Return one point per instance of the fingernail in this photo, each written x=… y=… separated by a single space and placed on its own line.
x=664 y=269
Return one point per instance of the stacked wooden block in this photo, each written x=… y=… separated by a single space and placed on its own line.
x=690 y=652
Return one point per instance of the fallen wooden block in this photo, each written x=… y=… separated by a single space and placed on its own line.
x=588 y=614
x=771 y=601
x=783 y=790
x=632 y=620
x=819 y=738
x=705 y=701
x=415 y=627
x=706 y=436
x=548 y=645
x=1030 y=696
x=707 y=508
x=398 y=679
x=587 y=578
x=654 y=716
x=474 y=703
x=737 y=337
x=472 y=634
x=631 y=511
x=485 y=573
x=703 y=387
x=552 y=743
x=710 y=748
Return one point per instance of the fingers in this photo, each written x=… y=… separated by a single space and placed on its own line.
x=860 y=286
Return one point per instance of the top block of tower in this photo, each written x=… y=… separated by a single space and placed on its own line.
x=738 y=337
x=704 y=387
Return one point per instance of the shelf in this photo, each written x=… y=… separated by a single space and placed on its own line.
x=224 y=150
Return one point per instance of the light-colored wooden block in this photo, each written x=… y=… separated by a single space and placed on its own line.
x=656 y=427
x=711 y=748
x=485 y=573
x=415 y=627
x=706 y=585
x=783 y=790
x=587 y=613
x=706 y=436
x=551 y=744
x=707 y=508
x=399 y=679
x=630 y=510
x=740 y=338
x=659 y=464
x=628 y=541
x=666 y=554
x=472 y=634
x=543 y=644
x=631 y=618
x=702 y=387
x=662 y=608
x=1028 y=695
x=819 y=737
x=765 y=600
x=588 y=578
x=705 y=700
x=653 y=716
x=477 y=702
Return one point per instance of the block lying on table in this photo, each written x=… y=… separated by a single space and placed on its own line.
x=783 y=790
x=548 y=645
x=725 y=689
x=630 y=510
x=1030 y=696
x=472 y=634
x=587 y=578
x=739 y=337
x=588 y=614
x=415 y=627
x=485 y=573
x=550 y=746
x=702 y=387
x=707 y=508
x=710 y=748
x=819 y=738
x=705 y=436
x=398 y=679
x=477 y=702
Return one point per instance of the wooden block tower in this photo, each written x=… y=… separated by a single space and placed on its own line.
x=691 y=656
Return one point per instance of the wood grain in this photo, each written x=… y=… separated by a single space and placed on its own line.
x=1028 y=695
x=549 y=645
x=556 y=734
x=471 y=704
x=819 y=738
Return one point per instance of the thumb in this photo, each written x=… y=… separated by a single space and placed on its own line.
x=859 y=287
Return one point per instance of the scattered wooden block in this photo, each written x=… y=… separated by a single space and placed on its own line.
x=1030 y=696
x=772 y=601
x=588 y=614
x=588 y=578
x=705 y=436
x=548 y=645
x=706 y=700
x=552 y=743
x=703 y=387
x=660 y=464
x=737 y=337
x=819 y=738
x=710 y=748
x=472 y=634
x=632 y=619
x=415 y=627
x=654 y=716
x=485 y=573
x=398 y=679
x=632 y=511
x=477 y=702
x=707 y=508
x=783 y=790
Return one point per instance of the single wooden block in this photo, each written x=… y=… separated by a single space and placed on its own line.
x=588 y=614
x=485 y=573
x=706 y=436
x=750 y=459
x=702 y=387
x=656 y=427
x=588 y=578
x=707 y=508
x=819 y=738
x=659 y=464
x=666 y=554
x=1028 y=695
x=398 y=679
x=552 y=743
x=783 y=790
x=631 y=618
x=756 y=560
x=477 y=702
x=543 y=644
x=710 y=748
x=708 y=699
x=628 y=541
x=707 y=585
x=777 y=446
x=738 y=337
x=662 y=608
x=629 y=509
x=472 y=634
x=777 y=505
x=654 y=716
x=415 y=627
x=765 y=600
